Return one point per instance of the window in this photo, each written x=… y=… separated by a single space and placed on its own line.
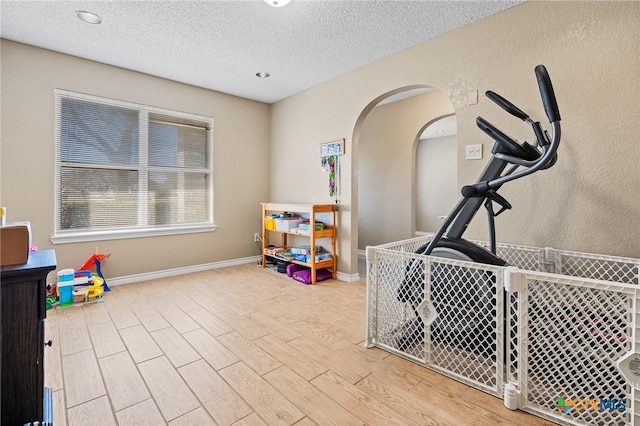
x=126 y=170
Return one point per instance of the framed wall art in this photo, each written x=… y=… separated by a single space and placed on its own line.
x=332 y=148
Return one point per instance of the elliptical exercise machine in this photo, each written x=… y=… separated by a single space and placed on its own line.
x=510 y=161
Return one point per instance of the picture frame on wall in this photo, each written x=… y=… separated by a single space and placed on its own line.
x=332 y=148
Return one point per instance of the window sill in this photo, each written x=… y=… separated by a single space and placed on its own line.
x=79 y=237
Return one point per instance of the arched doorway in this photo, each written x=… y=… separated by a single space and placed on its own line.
x=384 y=175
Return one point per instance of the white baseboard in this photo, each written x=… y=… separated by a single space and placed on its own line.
x=148 y=276
x=349 y=278
x=425 y=234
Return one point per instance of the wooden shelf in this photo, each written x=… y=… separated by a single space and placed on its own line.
x=300 y=208
x=327 y=263
x=328 y=232
x=324 y=233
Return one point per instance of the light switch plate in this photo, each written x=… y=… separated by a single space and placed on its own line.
x=473 y=152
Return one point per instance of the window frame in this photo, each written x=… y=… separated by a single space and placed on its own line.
x=62 y=236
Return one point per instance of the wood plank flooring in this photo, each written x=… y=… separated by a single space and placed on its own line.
x=243 y=346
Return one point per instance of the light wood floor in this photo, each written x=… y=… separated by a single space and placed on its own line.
x=243 y=346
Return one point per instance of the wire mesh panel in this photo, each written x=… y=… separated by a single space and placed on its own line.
x=390 y=317
x=465 y=339
x=574 y=333
x=386 y=314
x=406 y=246
x=597 y=267
x=557 y=336
x=522 y=257
x=467 y=335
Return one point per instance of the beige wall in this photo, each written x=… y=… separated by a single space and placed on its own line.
x=588 y=202
x=386 y=166
x=436 y=181
x=241 y=169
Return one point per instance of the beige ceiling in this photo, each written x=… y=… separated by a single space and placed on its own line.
x=221 y=45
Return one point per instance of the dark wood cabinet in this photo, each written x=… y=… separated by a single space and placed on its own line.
x=22 y=315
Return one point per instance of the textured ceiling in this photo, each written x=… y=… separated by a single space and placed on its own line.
x=221 y=45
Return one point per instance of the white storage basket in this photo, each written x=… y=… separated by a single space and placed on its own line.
x=287 y=224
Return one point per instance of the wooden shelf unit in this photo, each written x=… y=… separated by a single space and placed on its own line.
x=328 y=232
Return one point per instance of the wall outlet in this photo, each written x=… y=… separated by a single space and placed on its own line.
x=257 y=237
x=473 y=152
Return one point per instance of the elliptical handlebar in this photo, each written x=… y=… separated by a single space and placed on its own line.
x=506 y=105
x=547 y=94
x=549 y=147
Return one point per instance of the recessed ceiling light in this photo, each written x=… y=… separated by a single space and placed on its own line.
x=263 y=74
x=88 y=17
x=277 y=3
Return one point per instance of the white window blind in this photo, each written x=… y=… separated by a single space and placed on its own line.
x=124 y=169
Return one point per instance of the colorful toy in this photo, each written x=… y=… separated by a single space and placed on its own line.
x=95 y=260
x=65 y=287
x=80 y=295
x=78 y=287
x=96 y=291
x=51 y=296
x=82 y=277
